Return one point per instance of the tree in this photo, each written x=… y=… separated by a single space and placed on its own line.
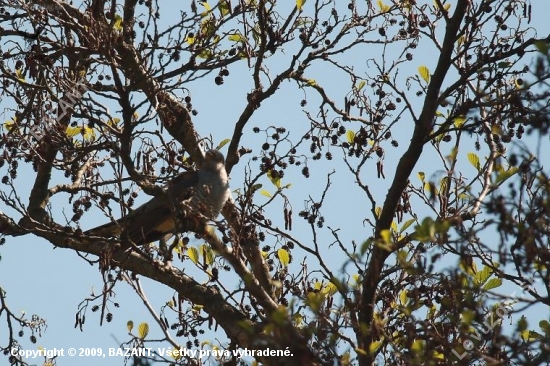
x=429 y=101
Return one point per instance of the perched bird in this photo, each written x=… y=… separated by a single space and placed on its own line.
x=202 y=195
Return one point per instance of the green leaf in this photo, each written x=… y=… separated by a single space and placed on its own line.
x=504 y=64
x=350 y=135
x=506 y=174
x=492 y=283
x=193 y=254
x=406 y=225
x=542 y=46
x=418 y=346
x=468 y=316
x=474 y=160
x=204 y=54
x=284 y=256
x=361 y=85
x=255 y=187
x=366 y=245
x=225 y=7
x=424 y=73
x=482 y=276
x=130 y=325
x=143 y=330
x=223 y=143
x=545 y=326
x=300 y=4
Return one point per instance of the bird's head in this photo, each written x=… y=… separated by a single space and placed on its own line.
x=214 y=159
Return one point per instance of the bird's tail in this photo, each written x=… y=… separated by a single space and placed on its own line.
x=109 y=229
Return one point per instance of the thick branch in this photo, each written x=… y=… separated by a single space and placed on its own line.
x=402 y=174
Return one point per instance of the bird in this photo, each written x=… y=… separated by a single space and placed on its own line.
x=202 y=195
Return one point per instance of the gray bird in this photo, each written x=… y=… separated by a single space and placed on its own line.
x=201 y=193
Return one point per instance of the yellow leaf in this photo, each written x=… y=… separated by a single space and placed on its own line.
x=190 y=40
x=72 y=131
x=378 y=211
x=10 y=125
x=417 y=346
x=207 y=8
x=424 y=73
x=19 y=74
x=88 y=133
x=300 y=4
x=373 y=347
x=421 y=176
x=117 y=25
x=530 y=335
x=204 y=54
x=275 y=180
x=311 y=82
x=235 y=37
x=130 y=325
x=143 y=330
x=350 y=135
x=193 y=254
x=361 y=84
x=113 y=121
x=383 y=7
x=386 y=236
x=284 y=256
x=330 y=289
x=223 y=143
x=263 y=192
x=208 y=254
x=474 y=160
x=459 y=121
x=404 y=297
